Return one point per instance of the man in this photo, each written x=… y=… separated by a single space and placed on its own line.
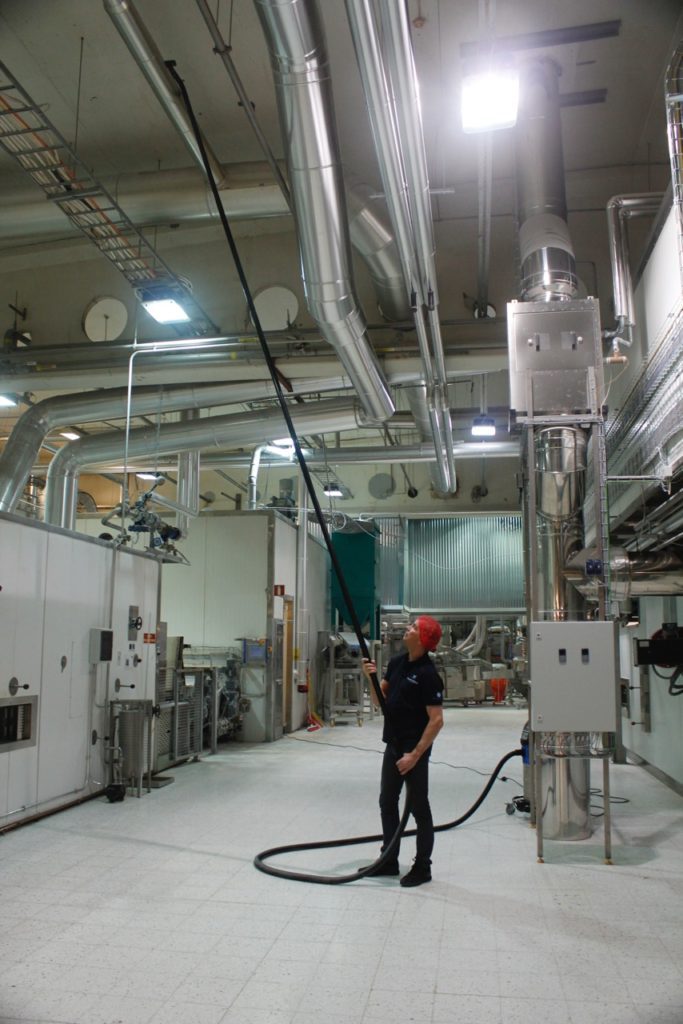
x=413 y=694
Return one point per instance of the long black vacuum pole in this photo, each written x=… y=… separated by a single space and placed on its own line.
x=387 y=853
x=275 y=377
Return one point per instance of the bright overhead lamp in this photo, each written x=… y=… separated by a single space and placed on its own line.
x=70 y=435
x=489 y=100
x=166 y=302
x=149 y=476
x=333 y=490
x=7 y=401
x=483 y=426
x=166 y=311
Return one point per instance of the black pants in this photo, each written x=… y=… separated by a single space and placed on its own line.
x=390 y=791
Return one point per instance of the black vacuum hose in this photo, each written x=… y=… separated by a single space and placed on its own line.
x=261 y=858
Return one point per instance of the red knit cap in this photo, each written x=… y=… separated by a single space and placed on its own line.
x=430 y=632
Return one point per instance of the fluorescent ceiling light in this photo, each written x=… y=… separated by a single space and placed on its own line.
x=70 y=435
x=7 y=401
x=483 y=426
x=166 y=311
x=149 y=476
x=333 y=491
x=489 y=100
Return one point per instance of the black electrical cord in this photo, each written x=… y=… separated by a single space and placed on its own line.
x=259 y=860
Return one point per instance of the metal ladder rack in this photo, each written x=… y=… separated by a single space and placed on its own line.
x=34 y=143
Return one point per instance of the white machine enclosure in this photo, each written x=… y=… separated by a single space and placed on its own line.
x=55 y=588
x=574 y=685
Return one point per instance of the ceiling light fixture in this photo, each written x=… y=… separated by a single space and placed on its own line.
x=150 y=476
x=489 y=100
x=165 y=310
x=70 y=435
x=7 y=401
x=333 y=490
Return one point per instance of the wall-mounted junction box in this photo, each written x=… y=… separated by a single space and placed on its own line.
x=574 y=685
x=101 y=645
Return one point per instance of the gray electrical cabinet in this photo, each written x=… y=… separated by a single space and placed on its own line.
x=574 y=685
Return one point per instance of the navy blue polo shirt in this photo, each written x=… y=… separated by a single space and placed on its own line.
x=413 y=687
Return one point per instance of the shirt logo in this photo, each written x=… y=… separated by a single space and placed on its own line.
x=411 y=679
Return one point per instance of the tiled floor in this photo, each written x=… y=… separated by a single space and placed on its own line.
x=151 y=911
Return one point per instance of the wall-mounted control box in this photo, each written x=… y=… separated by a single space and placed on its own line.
x=101 y=645
x=574 y=685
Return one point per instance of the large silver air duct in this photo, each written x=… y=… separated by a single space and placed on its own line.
x=295 y=38
x=547 y=259
x=62 y=476
x=305 y=101
x=31 y=429
x=560 y=486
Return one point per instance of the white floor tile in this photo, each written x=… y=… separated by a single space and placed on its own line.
x=151 y=912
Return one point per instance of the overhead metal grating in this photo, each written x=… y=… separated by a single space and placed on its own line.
x=34 y=143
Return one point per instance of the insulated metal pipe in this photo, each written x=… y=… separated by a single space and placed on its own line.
x=295 y=38
x=62 y=477
x=188 y=479
x=150 y=61
x=31 y=429
x=620 y=209
x=546 y=251
x=338 y=456
x=407 y=192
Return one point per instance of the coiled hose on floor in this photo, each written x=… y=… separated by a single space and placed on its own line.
x=387 y=854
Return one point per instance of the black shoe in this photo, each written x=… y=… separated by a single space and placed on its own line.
x=390 y=868
x=418 y=875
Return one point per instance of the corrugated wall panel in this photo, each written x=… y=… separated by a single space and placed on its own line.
x=465 y=563
x=391 y=541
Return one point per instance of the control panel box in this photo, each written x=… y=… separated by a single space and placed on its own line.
x=574 y=685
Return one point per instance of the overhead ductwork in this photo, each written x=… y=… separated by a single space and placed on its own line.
x=349 y=456
x=25 y=441
x=295 y=39
x=427 y=420
x=62 y=478
x=548 y=266
x=392 y=98
x=20 y=453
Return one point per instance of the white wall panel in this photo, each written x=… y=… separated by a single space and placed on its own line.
x=222 y=594
x=22 y=604
x=77 y=599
